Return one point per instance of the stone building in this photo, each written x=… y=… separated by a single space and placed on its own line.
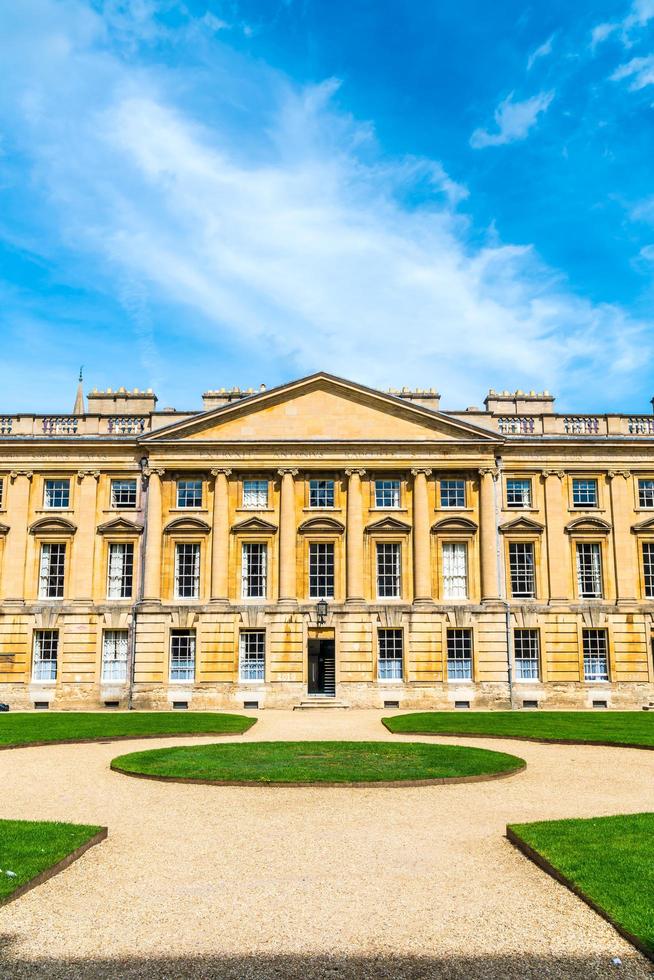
x=322 y=540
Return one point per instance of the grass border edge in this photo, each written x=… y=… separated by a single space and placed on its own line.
x=105 y=739
x=56 y=868
x=542 y=862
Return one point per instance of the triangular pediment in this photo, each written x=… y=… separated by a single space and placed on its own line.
x=187 y=525
x=53 y=525
x=588 y=525
x=643 y=527
x=449 y=525
x=317 y=524
x=120 y=525
x=388 y=524
x=254 y=525
x=522 y=525
x=321 y=408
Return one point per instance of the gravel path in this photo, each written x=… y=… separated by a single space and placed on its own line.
x=201 y=881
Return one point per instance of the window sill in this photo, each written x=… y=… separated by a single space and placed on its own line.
x=186 y=510
x=313 y=510
x=255 y=510
x=121 y=510
x=448 y=510
x=55 y=510
x=392 y=510
x=589 y=509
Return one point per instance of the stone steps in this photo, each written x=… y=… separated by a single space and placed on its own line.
x=318 y=702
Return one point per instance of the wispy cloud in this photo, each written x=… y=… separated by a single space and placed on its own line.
x=641 y=12
x=640 y=71
x=277 y=222
x=514 y=120
x=540 y=52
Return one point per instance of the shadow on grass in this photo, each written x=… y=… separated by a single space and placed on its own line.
x=297 y=967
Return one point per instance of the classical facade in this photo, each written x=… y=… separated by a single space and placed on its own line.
x=325 y=540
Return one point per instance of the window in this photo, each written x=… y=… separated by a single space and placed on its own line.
x=459 y=654
x=321 y=571
x=252 y=655
x=387 y=494
x=648 y=568
x=596 y=665
x=390 y=654
x=321 y=493
x=123 y=494
x=388 y=571
x=518 y=493
x=189 y=493
x=526 y=654
x=182 y=655
x=56 y=494
x=521 y=567
x=120 y=576
x=455 y=570
x=46 y=646
x=114 y=655
x=255 y=494
x=584 y=493
x=453 y=493
x=2 y=493
x=589 y=570
x=51 y=571
x=646 y=493
x=187 y=571
x=253 y=570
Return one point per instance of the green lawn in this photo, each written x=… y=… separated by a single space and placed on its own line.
x=29 y=847
x=615 y=727
x=316 y=762
x=609 y=860
x=73 y=726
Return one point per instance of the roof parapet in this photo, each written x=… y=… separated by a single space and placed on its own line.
x=519 y=402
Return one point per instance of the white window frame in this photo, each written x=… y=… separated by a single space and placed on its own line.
x=248 y=575
x=255 y=494
x=522 y=569
x=592 y=561
x=645 y=493
x=452 y=493
x=388 y=488
x=383 y=550
x=322 y=494
x=390 y=654
x=519 y=493
x=52 y=574
x=54 y=487
x=579 y=503
x=120 y=570
x=647 y=555
x=117 y=487
x=454 y=557
x=186 y=491
x=252 y=663
x=182 y=668
x=322 y=567
x=45 y=668
x=526 y=641
x=115 y=654
x=596 y=655
x=459 y=669
x=187 y=569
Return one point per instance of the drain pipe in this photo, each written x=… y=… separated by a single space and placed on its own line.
x=501 y=578
x=131 y=652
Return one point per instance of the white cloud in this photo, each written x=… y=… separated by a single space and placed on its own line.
x=639 y=70
x=647 y=252
x=288 y=230
x=513 y=119
x=640 y=14
x=541 y=52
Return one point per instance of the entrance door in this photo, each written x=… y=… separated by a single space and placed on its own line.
x=322 y=668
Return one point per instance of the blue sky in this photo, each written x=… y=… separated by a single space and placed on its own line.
x=438 y=194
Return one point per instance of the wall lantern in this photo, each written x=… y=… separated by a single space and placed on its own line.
x=321 y=611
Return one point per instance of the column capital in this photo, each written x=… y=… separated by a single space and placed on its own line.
x=623 y=473
x=93 y=473
x=157 y=471
x=355 y=472
x=559 y=473
x=16 y=473
x=225 y=471
x=283 y=471
x=489 y=471
x=420 y=471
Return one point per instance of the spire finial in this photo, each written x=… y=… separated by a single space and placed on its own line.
x=81 y=378
x=79 y=399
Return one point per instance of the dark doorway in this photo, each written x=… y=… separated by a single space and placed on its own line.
x=322 y=668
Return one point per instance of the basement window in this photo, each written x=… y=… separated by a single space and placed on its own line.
x=180 y=705
x=391 y=704
x=112 y=704
x=251 y=705
x=600 y=704
x=462 y=704
x=41 y=705
x=530 y=704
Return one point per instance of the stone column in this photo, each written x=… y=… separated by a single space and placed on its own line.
x=220 y=537
x=558 y=564
x=152 y=579
x=354 y=537
x=84 y=543
x=421 y=538
x=624 y=548
x=287 y=537
x=488 y=535
x=13 y=571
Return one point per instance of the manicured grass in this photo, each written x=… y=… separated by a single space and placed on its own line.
x=74 y=726
x=608 y=860
x=316 y=762
x=615 y=727
x=28 y=848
